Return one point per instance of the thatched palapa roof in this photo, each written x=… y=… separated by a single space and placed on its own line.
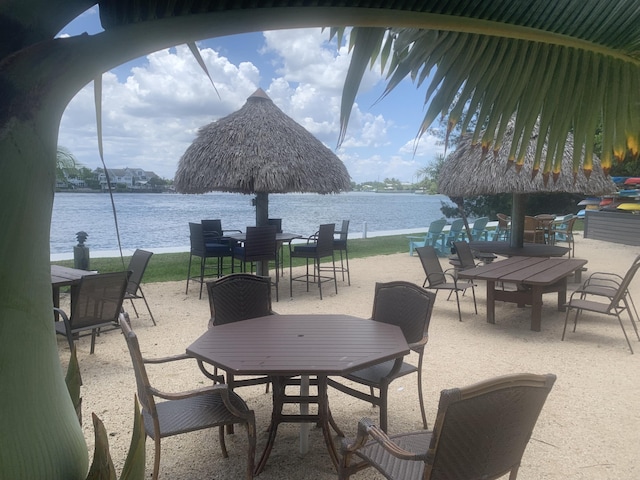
x=259 y=149
x=467 y=172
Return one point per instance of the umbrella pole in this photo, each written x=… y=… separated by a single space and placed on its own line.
x=262 y=219
x=517 y=220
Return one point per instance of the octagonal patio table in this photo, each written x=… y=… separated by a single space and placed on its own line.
x=286 y=346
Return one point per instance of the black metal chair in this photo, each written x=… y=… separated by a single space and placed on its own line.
x=409 y=307
x=481 y=432
x=137 y=266
x=277 y=222
x=97 y=305
x=204 y=250
x=316 y=251
x=437 y=279
x=259 y=246
x=340 y=244
x=183 y=412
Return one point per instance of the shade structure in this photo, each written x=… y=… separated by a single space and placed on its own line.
x=259 y=150
x=469 y=172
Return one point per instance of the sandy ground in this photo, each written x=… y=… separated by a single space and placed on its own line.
x=588 y=429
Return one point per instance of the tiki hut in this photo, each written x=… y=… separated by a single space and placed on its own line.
x=469 y=172
x=259 y=150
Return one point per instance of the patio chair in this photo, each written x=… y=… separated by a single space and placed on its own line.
x=183 y=412
x=259 y=246
x=409 y=307
x=617 y=303
x=437 y=279
x=433 y=238
x=340 y=244
x=503 y=230
x=137 y=266
x=533 y=231
x=315 y=251
x=96 y=306
x=277 y=222
x=562 y=231
x=481 y=432
x=455 y=232
x=478 y=230
x=205 y=249
x=233 y=298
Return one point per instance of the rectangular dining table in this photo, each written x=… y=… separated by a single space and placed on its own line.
x=533 y=276
x=287 y=346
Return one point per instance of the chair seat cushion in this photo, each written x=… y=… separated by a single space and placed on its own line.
x=371 y=376
x=193 y=413
x=310 y=248
x=219 y=248
x=417 y=442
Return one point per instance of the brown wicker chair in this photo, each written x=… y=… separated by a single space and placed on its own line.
x=437 y=279
x=97 y=305
x=481 y=432
x=137 y=266
x=409 y=307
x=236 y=297
x=212 y=406
x=321 y=248
x=618 y=298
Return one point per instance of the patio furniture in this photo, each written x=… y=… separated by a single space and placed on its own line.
x=137 y=266
x=504 y=248
x=533 y=230
x=503 y=229
x=183 y=412
x=409 y=307
x=481 y=432
x=455 y=232
x=617 y=297
x=233 y=298
x=340 y=244
x=433 y=238
x=277 y=222
x=533 y=276
x=66 y=277
x=437 y=279
x=562 y=231
x=285 y=346
x=316 y=250
x=259 y=246
x=478 y=229
x=205 y=250
x=97 y=305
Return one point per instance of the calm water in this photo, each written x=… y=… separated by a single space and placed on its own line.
x=160 y=221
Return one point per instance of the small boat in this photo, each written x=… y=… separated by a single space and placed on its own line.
x=630 y=207
x=629 y=193
x=632 y=181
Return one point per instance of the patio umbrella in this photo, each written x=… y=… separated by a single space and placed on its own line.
x=468 y=172
x=259 y=150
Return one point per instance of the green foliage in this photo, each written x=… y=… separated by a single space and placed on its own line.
x=135 y=463
x=74 y=382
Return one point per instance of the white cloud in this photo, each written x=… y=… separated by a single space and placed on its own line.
x=151 y=116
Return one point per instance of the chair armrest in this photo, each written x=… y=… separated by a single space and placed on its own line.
x=366 y=429
x=415 y=237
x=236 y=231
x=172 y=358
x=67 y=326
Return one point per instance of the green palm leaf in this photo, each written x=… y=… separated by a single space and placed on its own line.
x=564 y=65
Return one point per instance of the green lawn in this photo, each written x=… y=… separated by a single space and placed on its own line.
x=166 y=267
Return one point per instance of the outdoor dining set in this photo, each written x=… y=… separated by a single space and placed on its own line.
x=300 y=357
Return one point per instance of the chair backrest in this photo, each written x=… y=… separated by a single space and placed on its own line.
x=406 y=305
x=277 y=222
x=239 y=296
x=465 y=255
x=260 y=243
x=99 y=300
x=324 y=242
x=624 y=284
x=530 y=223
x=137 y=266
x=142 y=380
x=456 y=227
x=431 y=265
x=196 y=238
x=344 y=231
x=482 y=430
x=436 y=227
x=211 y=230
x=479 y=224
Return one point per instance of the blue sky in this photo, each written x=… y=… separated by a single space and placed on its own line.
x=153 y=106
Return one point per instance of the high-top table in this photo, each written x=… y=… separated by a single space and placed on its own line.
x=285 y=346
x=532 y=276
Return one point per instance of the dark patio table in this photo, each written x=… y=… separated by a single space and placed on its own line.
x=285 y=346
x=527 y=250
x=65 y=277
x=533 y=276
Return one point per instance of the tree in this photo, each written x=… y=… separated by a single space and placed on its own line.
x=532 y=56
